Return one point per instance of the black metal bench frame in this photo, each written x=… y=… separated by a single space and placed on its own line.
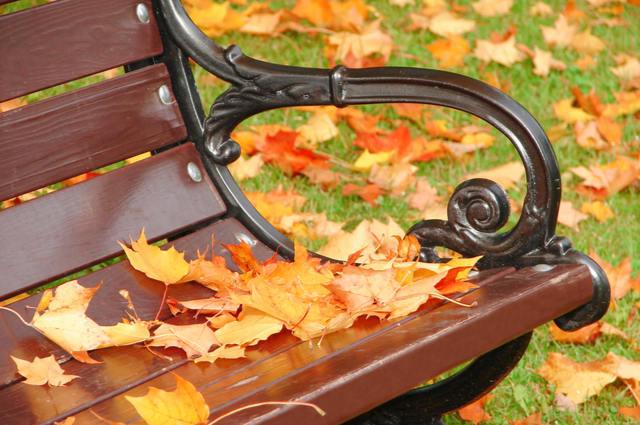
x=477 y=210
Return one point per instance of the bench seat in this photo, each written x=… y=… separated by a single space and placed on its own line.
x=350 y=372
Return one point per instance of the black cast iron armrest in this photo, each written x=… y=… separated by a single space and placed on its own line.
x=477 y=210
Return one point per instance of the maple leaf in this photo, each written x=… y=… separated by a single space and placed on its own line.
x=474 y=412
x=424 y=195
x=365 y=235
x=280 y=149
x=309 y=225
x=597 y=209
x=609 y=129
x=396 y=178
x=183 y=406
x=566 y=112
x=583 y=335
x=333 y=14
x=619 y=275
x=503 y=52
x=585 y=42
x=447 y=24
x=490 y=8
x=215 y=19
x=360 y=288
x=361 y=49
x=222 y=352
x=398 y=140
x=366 y=160
x=569 y=216
x=213 y=274
x=195 y=340
x=506 y=175
x=561 y=34
x=450 y=52
x=543 y=61
x=167 y=266
x=533 y=419
x=42 y=371
x=262 y=23
x=626 y=103
x=600 y=181
x=242 y=169
x=253 y=326
x=540 y=9
x=628 y=67
x=319 y=128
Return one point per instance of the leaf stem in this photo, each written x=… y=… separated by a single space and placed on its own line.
x=17 y=314
x=268 y=403
x=162 y=301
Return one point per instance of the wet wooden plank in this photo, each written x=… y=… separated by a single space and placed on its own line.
x=72 y=228
x=357 y=369
x=79 y=131
x=69 y=39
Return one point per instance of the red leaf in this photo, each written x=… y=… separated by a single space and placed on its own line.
x=369 y=192
x=399 y=139
x=280 y=149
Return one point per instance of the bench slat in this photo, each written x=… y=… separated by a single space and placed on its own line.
x=79 y=131
x=123 y=367
x=70 y=229
x=360 y=368
x=68 y=39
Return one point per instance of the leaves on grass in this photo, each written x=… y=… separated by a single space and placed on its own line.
x=474 y=412
x=503 y=52
x=570 y=216
x=450 y=52
x=41 y=371
x=506 y=175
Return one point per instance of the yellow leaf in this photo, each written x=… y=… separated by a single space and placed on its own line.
x=366 y=160
x=505 y=52
x=597 y=209
x=42 y=371
x=242 y=169
x=318 y=129
x=566 y=112
x=490 y=8
x=506 y=175
x=195 y=340
x=561 y=34
x=223 y=352
x=127 y=333
x=252 y=327
x=262 y=23
x=587 y=43
x=166 y=266
x=578 y=381
x=447 y=24
x=450 y=52
x=183 y=406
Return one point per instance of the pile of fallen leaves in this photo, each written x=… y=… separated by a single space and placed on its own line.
x=307 y=297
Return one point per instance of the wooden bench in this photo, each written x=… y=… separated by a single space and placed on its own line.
x=185 y=192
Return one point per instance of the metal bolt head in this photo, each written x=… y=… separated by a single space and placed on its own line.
x=142 y=13
x=194 y=172
x=541 y=268
x=242 y=237
x=165 y=95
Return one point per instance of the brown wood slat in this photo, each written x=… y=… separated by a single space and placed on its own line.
x=67 y=230
x=125 y=367
x=69 y=39
x=122 y=367
x=357 y=369
x=82 y=130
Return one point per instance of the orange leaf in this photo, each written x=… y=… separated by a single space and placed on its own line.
x=534 y=419
x=369 y=193
x=583 y=335
x=280 y=150
x=42 y=371
x=474 y=412
x=450 y=52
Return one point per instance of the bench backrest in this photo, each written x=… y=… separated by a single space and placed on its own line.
x=78 y=131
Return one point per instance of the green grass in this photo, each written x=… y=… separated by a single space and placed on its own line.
x=523 y=392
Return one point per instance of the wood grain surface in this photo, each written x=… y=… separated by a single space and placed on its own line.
x=72 y=228
x=79 y=131
x=68 y=39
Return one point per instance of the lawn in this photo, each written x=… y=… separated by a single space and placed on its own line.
x=524 y=392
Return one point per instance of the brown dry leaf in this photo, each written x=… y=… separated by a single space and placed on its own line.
x=488 y=8
x=371 y=46
x=242 y=169
x=619 y=275
x=447 y=24
x=42 y=371
x=628 y=67
x=588 y=136
x=318 y=129
x=424 y=195
x=541 y=9
x=544 y=62
x=610 y=130
x=598 y=210
x=222 y=352
x=323 y=177
x=583 y=335
x=365 y=235
x=601 y=181
x=587 y=43
x=195 y=340
x=561 y=34
x=506 y=175
x=395 y=178
x=569 y=216
x=534 y=419
x=167 y=266
x=474 y=412
x=503 y=52
x=450 y=52
x=578 y=381
x=183 y=406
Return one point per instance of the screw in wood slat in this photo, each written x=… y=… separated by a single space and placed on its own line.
x=165 y=95
x=142 y=13
x=194 y=172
